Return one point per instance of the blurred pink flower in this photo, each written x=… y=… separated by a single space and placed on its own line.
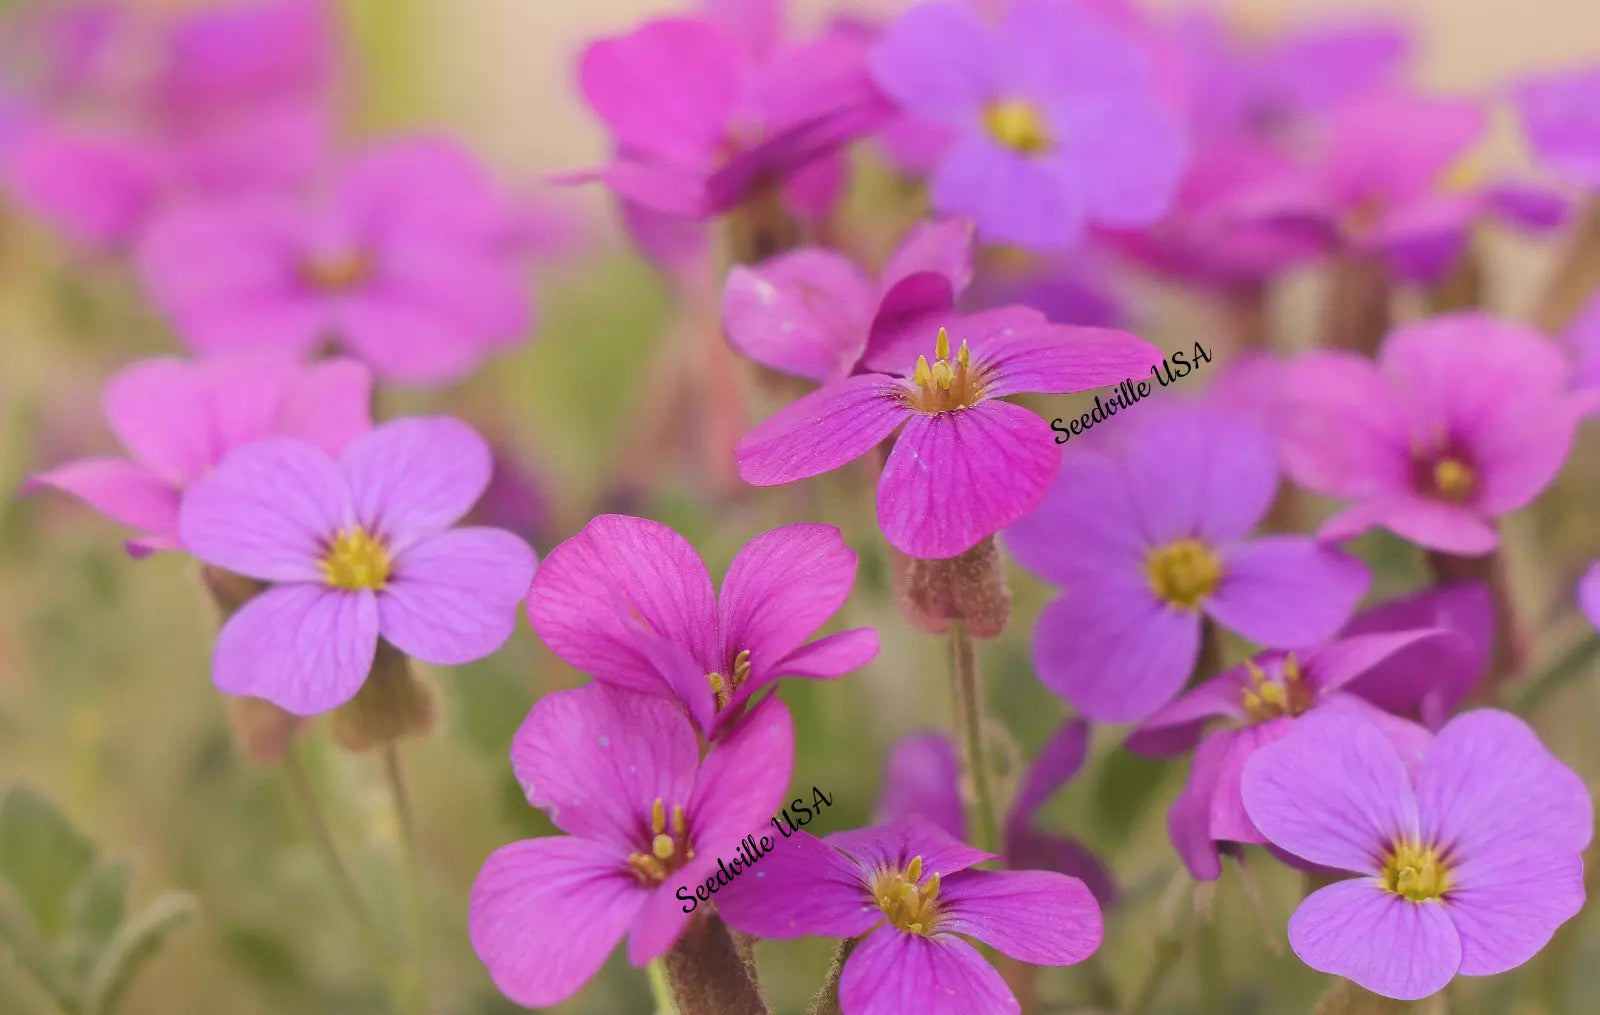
x=812 y=313
x=356 y=547
x=1428 y=682
x=911 y=893
x=419 y=288
x=1465 y=862
x=1462 y=419
x=1589 y=594
x=1560 y=115
x=966 y=464
x=179 y=419
x=621 y=774
x=630 y=602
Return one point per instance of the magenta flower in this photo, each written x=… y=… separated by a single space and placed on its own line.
x=621 y=774
x=1260 y=702
x=1589 y=594
x=178 y=419
x=629 y=602
x=1429 y=681
x=1583 y=343
x=1468 y=862
x=922 y=776
x=704 y=111
x=908 y=889
x=421 y=289
x=1559 y=118
x=1148 y=535
x=1425 y=441
x=356 y=548
x=965 y=464
x=1057 y=124
x=812 y=312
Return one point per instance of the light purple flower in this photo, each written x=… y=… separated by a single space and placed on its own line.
x=1057 y=124
x=621 y=774
x=178 y=419
x=1429 y=681
x=356 y=548
x=703 y=111
x=1468 y=862
x=420 y=289
x=1463 y=418
x=965 y=464
x=1560 y=115
x=1583 y=343
x=1589 y=594
x=629 y=602
x=1149 y=535
x=922 y=776
x=910 y=892
x=1259 y=703
x=812 y=312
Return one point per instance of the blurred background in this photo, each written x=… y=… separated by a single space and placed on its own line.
x=106 y=705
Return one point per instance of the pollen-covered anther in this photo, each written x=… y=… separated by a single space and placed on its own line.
x=668 y=850
x=335 y=271
x=722 y=687
x=356 y=560
x=1416 y=872
x=1265 y=698
x=1016 y=124
x=1453 y=479
x=1183 y=573
x=910 y=906
x=945 y=384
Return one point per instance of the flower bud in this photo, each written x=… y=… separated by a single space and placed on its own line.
x=969 y=587
x=393 y=703
x=261 y=729
x=708 y=976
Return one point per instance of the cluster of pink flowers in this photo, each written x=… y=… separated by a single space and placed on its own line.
x=1193 y=594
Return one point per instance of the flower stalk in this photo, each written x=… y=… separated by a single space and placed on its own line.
x=827 y=1000
x=969 y=732
x=707 y=975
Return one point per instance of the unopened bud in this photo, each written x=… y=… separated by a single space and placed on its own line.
x=970 y=587
x=394 y=703
x=228 y=590
x=707 y=974
x=261 y=729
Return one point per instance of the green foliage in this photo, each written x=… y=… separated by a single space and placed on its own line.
x=64 y=931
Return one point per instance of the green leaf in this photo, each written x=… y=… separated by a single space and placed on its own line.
x=134 y=945
x=42 y=855
x=98 y=907
x=29 y=952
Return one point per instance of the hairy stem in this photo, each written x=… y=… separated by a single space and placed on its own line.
x=827 y=1000
x=344 y=882
x=415 y=987
x=707 y=975
x=969 y=730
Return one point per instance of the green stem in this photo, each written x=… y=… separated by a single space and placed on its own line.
x=322 y=837
x=969 y=723
x=660 y=989
x=827 y=1000
x=415 y=978
x=1577 y=660
x=1167 y=953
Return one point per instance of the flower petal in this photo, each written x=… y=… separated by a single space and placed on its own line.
x=1589 y=594
x=597 y=758
x=1507 y=902
x=158 y=409
x=941 y=247
x=616 y=563
x=122 y=491
x=1340 y=427
x=1177 y=727
x=1431 y=679
x=743 y=777
x=416 y=476
x=922 y=775
x=453 y=598
x=1070 y=536
x=805 y=312
x=1114 y=651
x=781 y=587
x=1333 y=792
x=892 y=972
x=1189 y=818
x=637 y=85
x=1058 y=359
x=1487 y=782
x=1384 y=942
x=545 y=914
x=269 y=511
x=1433 y=524
x=830 y=656
x=1287 y=590
x=936 y=62
x=891 y=847
x=1040 y=917
x=1053 y=767
x=1013 y=198
x=305 y=648
x=835 y=424
x=803 y=886
x=329 y=405
x=956 y=477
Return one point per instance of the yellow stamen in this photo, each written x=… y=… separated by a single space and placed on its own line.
x=941 y=345
x=1452 y=479
x=337 y=271
x=1183 y=573
x=908 y=906
x=946 y=383
x=663 y=847
x=1018 y=125
x=719 y=689
x=1416 y=872
x=1265 y=698
x=666 y=852
x=658 y=817
x=356 y=560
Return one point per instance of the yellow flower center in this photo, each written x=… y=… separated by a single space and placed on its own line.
x=1018 y=125
x=722 y=687
x=945 y=385
x=356 y=560
x=1183 y=573
x=1266 y=698
x=1453 y=479
x=1417 y=872
x=335 y=271
x=909 y=906
x=669 y=849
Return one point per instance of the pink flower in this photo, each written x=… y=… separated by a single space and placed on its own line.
x=1429 y=681
x=178 y=419
x=1558 y=115
x=1149 y=533
x=1468 y=862
x=1589 y=593
x=922 y=776
x=420 y=289
x=357 y=548
x=705 y=110
x=909 y=891
x=629 y=602
x=812 y=313
x=1463 y=418
x=621 y=774
x=1260 y=702
x=965 y=464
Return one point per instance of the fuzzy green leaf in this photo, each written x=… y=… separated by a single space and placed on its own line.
x=136 y=943
x=43 y=856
